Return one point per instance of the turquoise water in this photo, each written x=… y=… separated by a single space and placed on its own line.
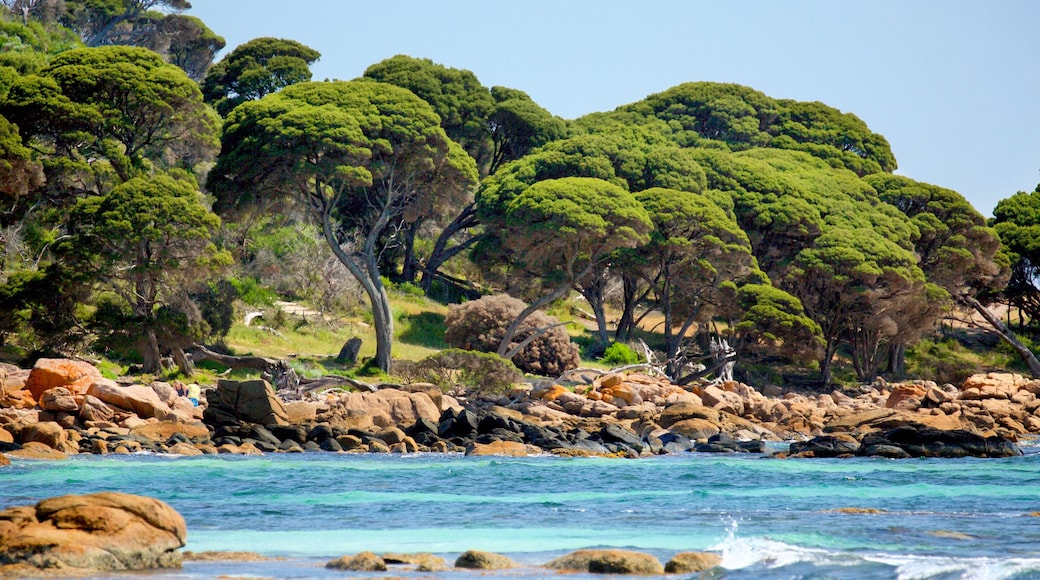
x=769 y=518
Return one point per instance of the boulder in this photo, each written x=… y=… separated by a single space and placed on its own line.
x=477 y=560
x=689 y=562
x=507 y=448
x=58 y=399
x=906 y=396
x=37 y=451
x=424 y=562
x=100 y=532
x=74 y=375
x=608 y=562
x=94 y=409
x=826 y=446
x=138 y=399
x=250 y=401
x=362 y=562
x=12 y=378
x=48 y=433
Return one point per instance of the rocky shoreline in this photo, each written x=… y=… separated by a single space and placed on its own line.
x=62 y=407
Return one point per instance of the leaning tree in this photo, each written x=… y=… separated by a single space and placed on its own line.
x=359 y=154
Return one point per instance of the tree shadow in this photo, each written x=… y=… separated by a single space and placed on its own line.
x=423 y=329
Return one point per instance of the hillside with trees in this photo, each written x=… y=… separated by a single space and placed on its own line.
x=152 y=199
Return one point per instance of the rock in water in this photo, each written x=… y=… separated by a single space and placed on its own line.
x=100 y=532
x=689 y=562
x=477 y=560
x=608 y=562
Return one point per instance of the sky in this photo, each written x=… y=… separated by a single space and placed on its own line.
x=954 y=85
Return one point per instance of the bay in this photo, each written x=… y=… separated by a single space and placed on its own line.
x=767 y=517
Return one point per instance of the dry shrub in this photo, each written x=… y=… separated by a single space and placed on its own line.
x=481 y=324
x=461 y=372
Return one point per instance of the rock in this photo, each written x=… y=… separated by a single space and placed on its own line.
x=251 y=401
x=301 y=412
x=927 y=442
x=721 y=400
x=139 y=399
x=91 y=533
x=695 y=428
x=422 y=561
x=477 y=560
x=688 y=562
x=186 y=449
x=48 y=433
x=94 y=409
x=363 y=562
x=825 y=446
x=608 y=562
x=74 y=375
x=38 y=451
x=507 y=448
x=163 y=430
x=166 y=392
x=905 y=396
x=349 y=353
x=58 y=399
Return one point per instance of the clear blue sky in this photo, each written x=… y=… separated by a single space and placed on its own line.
x=953 y=85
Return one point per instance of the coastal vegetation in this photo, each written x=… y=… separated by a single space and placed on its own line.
x=153 y=200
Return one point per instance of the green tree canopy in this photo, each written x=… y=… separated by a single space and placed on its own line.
x=743 y=118
x=359 y=154
x=103 y=115
x=257 y=68
x=559 y=230
x=148 y=243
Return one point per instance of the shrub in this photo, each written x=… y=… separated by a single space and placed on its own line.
x=942 y=361
x=619 y=353
x=481 y=324
x=464 y=371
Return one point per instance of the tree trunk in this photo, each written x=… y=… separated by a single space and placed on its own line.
x=897 y=360
x=514 y=326
x=1005 y=333
x=367 y=275
x=441 y=253
x=183 y=362
x=149 y=347
x=627 y=322
x=825 y=363
x=408 y=269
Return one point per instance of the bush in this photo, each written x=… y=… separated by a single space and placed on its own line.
x=463 y=371
x=619 y=353
x=941 y=361
x=481 y=324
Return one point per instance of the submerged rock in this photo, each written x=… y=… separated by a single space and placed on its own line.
x=688 y=562
x=608 y=562
x=477 y=560
x=363 y=562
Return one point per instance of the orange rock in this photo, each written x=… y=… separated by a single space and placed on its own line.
x=905 y=396
x=552 y=393
x=507 y=448
x=74 y=375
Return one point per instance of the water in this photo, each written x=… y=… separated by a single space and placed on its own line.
x=769 y=518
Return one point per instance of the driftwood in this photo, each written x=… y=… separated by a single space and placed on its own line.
x=331 y=381
x=259 y=363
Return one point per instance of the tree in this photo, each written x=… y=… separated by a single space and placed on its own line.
x=358 y=154
x=110 y=22
x=743 y=118
x=148 y=241
x=257 y=68
x=956 y=249
x=694 y=249
x=185 y=41
x=101 y=116
x=558 y=230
